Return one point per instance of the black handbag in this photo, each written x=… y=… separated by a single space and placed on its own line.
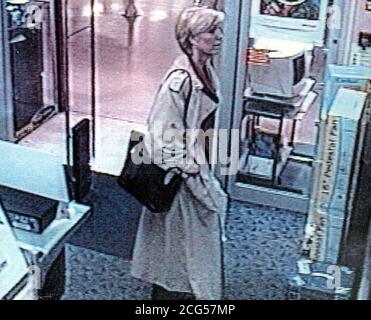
x=147 y=182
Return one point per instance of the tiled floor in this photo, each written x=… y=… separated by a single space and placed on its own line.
x=112 y=138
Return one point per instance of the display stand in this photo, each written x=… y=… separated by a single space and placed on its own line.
x=265 y=168
x=46 y=249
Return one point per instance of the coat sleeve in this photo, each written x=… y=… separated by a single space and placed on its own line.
x=168 y=125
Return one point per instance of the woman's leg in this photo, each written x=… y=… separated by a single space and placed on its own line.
x=159 y=293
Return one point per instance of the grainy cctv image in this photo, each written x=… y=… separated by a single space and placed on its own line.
x=185 y=150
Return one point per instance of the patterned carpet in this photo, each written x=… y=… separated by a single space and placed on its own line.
x=97 y=276
x=260 y=254
x=112 y=227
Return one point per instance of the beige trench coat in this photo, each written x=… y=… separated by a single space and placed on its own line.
x=181 y=250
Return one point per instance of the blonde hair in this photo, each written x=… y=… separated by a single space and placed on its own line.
x=193 y=21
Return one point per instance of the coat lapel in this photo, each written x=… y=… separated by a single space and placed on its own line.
x=205 y=104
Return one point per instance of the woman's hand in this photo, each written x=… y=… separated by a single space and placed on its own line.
x=189 y=170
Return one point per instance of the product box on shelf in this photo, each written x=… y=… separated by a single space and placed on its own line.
x=351 y=77
x=265 y=143
x=26 y=211
x=337 y=164
x=339 y=147
x=266 y=168
x=321 y=281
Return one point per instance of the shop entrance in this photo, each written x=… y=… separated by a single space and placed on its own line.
x=112 y=57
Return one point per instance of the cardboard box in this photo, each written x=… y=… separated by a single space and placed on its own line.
x=351 y=77
x=336 y=165
x=324 y=281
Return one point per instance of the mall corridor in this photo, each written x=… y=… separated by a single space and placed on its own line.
x=132 y=55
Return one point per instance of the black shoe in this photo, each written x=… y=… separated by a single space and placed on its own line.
x=159 y=293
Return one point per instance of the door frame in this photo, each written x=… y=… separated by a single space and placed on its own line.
x=232 y=72
x=61 y=15
x=62 y=54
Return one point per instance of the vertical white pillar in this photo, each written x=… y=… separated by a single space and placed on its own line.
x=232 y=71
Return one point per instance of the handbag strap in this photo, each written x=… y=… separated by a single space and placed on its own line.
x=189 y=96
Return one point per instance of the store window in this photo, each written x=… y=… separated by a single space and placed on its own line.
x=280 y=79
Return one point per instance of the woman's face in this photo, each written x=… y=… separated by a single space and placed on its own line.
x=209 y=42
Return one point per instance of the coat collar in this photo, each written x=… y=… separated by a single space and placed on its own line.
x=183 y=62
